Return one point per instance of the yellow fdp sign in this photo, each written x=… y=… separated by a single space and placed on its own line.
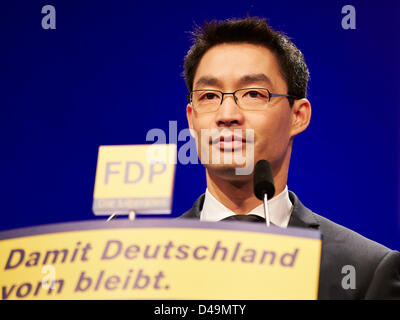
x=136 y=178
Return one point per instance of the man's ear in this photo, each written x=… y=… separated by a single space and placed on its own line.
x=301 y=116
x=189 y=114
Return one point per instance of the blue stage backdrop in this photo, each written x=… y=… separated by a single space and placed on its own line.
x=111 y=71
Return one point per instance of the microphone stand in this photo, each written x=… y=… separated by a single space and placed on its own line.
x=266 y=212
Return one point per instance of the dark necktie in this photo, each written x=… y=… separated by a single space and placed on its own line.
x=245 y=218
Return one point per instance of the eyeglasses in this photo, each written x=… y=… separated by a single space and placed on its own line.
x=209 y=100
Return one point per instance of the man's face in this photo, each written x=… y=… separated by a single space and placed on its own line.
x=229 y=67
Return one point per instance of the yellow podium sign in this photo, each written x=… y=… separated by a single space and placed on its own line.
x=159 y=259
x=134 y=178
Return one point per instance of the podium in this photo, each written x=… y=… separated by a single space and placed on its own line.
x=159 y=259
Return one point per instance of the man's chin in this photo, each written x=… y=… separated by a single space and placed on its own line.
x=229 y=171
x=232 y=163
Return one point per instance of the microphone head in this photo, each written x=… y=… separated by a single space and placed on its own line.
x=263 y=180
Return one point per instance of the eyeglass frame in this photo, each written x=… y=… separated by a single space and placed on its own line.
x=270 y=95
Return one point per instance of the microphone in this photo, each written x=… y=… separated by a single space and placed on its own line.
x=264 y=188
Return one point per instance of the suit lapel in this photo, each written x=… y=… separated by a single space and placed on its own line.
x=194 y=212
x=301 y=216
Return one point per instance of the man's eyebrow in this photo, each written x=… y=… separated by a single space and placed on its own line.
x=252 y=78
x=245 y=80
x=207 y=81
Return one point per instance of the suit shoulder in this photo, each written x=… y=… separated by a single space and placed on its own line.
x=376 y=266
x=349 y=241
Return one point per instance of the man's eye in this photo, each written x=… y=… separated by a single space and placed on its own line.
x=254 y=94
x=209 y=96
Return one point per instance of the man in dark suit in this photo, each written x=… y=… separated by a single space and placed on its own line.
x=248 y=89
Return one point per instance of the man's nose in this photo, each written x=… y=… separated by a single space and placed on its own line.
x=229 y=113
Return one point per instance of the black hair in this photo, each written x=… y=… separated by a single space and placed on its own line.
x=251 y=30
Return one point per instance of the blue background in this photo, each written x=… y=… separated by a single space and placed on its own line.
x=111 y=71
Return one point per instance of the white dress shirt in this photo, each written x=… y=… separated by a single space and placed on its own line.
x=280 y=209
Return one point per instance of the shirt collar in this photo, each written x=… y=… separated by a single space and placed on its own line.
x=280 y=209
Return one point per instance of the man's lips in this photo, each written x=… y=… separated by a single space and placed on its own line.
x=231 y=142
x=231 y=138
